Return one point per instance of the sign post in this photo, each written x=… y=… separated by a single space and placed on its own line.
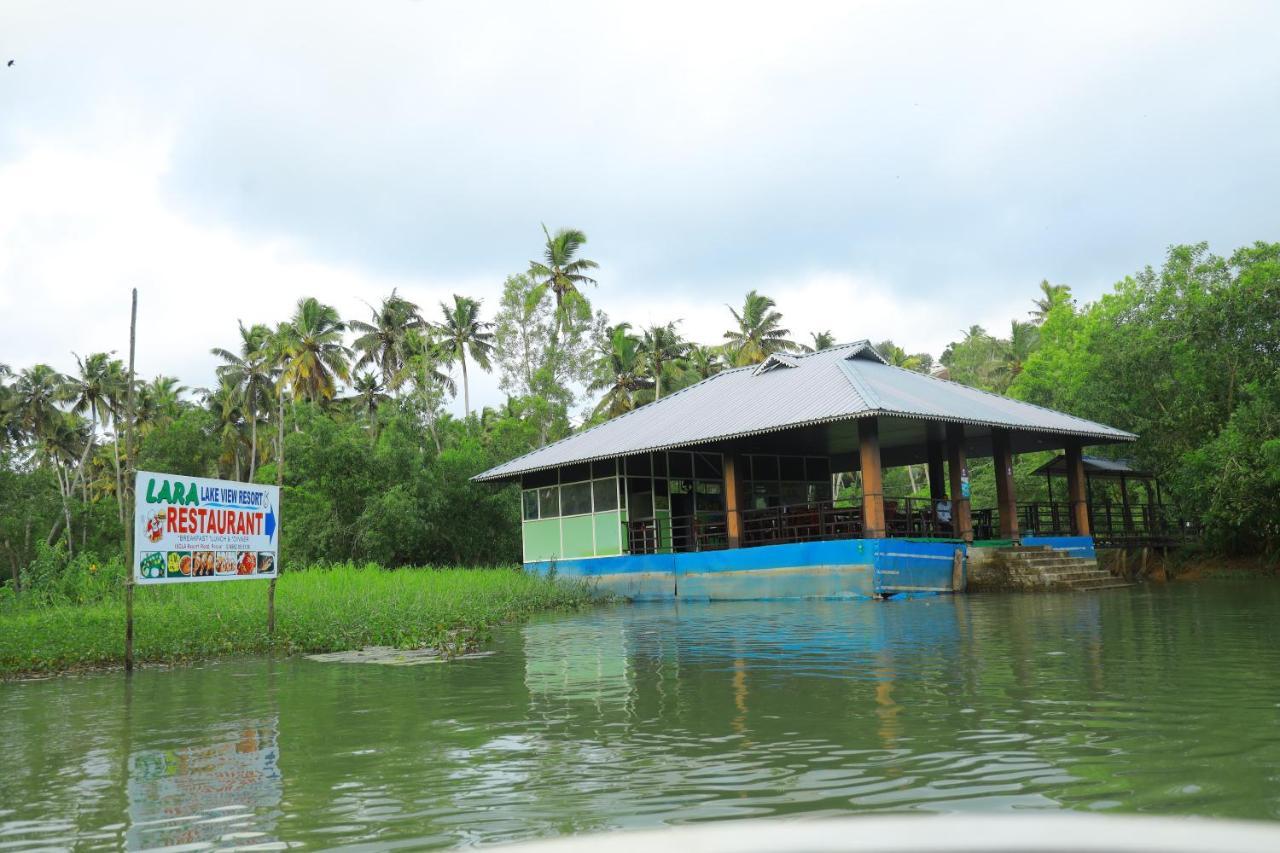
x=193 y=530
x=128 y=461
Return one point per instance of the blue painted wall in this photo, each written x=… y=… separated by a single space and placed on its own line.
x=848 y=568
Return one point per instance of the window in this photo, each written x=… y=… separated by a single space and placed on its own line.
x=606 y=494
x=606 y=468
x=531 y=505
x=681 y=464
x=549 y=502
x=575 y=499
x=639 y=465
x=709 y=497
x=538 y=479
x=706 y=466
x=792 y=468
x=575 y=473
x=764 y=467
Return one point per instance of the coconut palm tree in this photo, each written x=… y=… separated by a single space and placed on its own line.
x=899 y=357
x=159 y=402
x=10 y=433
x=368 y=395
x=426 y=355
x=226 y=404
x=759 y=331
x=619 y=373
x=660 y=348
x=313 y=357
x=92 y=391
x=1023 y=338
x=461 y=332
x=252 y=372
x=1051 y=296
x=383 y=342
x=820 y=341
x=563 y=273
x=703 y=362
x=34 y=399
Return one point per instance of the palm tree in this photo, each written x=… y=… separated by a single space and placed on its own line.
x=61 y=440
x=821 y=341
x=564 y=273
x=620 y=373
x=93 y=391
x=10 y=432
x=252 y=372
x=463 y=331
x=226 y=404
x=661 y=347
x=1023 y=338
x=159 y=402
x=313 y=356
x=34 y=399
x=703 y=362
x=759 y=333
x=1052 y=295
x=383 y=342
x=368 y=396
x=426 y=355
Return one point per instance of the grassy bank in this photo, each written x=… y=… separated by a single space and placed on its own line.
x=320 y=609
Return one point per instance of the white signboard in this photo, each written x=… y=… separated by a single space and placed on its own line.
x=193 y=529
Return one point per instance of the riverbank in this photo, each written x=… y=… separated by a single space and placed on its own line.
x=317 y=610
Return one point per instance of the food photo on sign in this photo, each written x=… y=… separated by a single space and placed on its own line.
x=197 y=529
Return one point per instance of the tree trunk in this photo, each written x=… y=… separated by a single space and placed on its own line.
x=115 y=453
x=657 y=379
x=466 y=388
x=280 y=446
x=253 y=444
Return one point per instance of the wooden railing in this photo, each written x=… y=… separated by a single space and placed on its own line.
x=1111 y=524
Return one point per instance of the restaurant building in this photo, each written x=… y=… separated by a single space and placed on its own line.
x=726 y=489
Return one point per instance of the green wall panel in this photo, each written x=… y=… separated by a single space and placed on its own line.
x=608 y=534
x=541 y=539
x=577 y=532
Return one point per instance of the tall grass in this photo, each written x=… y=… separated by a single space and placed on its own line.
x=318 y=610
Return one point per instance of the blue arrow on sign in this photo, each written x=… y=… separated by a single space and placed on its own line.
x=271 y=522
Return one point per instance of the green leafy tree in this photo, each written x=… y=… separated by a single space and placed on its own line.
x=759 y=332
x=661 y=349
x=462 y=332
x=563 y=273
x=620 y=373
x=313 y=357
x=384 y=341
x=252 y=372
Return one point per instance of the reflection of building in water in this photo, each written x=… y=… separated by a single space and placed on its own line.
x=228 y=786
x=578 y=660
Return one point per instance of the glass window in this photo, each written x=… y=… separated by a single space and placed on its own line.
x=639 y=497
x=817 y=469
x=794 y=493
x=707 y=466
x=681 y=487
x=820 y=491
x=575 y=499
x=531 y=505
x=549 y=502
x=604 y=468
x=791 y=468
x=575 y=473
x=710 y=497
x=538 y=479
x=606 y=494
x=681 y=464
x=764 y=467
x=638 y=466
x=659 y=464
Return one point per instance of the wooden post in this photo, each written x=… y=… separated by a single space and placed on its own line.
x=961 y=518
x=1006 y=499
x=1076 y=490
x=872 y=478
x=1124 y=505
x=271 y=588
x=732 y=500
x=937 y=473
x=131 y=497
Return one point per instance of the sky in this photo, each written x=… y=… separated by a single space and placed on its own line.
x=882 y=170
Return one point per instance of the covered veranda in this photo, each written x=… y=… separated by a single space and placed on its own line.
x=780 y=487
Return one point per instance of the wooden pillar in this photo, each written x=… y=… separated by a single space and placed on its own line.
x=872 y=478
x=733 y=503
x=1006 y=500
x=937 y=473
x=1075 y=491
x=1124 y=505
x=961 y=518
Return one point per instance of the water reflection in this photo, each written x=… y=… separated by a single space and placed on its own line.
x=1161 y=700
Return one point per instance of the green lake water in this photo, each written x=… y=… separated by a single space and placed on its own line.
x=1161 y=699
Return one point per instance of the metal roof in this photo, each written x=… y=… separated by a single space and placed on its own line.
x=842 y=383
x=1095 y=466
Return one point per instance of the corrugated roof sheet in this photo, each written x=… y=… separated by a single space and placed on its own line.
x=840 y=383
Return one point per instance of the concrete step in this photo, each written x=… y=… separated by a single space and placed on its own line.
x=1109 y=583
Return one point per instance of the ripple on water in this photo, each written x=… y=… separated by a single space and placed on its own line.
x=1160 y=700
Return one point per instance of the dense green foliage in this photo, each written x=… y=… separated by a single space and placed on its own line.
x=328 y=608
x=349 y=414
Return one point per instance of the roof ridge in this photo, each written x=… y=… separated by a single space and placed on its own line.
x=869 y=398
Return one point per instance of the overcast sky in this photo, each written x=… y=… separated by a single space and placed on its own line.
x=881 y=170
